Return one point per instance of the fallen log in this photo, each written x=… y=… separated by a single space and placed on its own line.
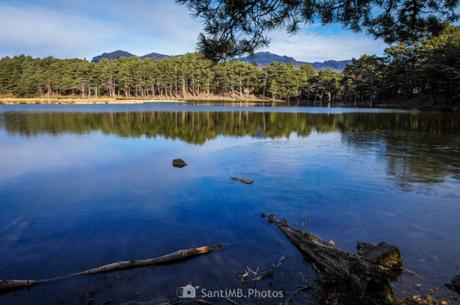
x=12 y=285
x=161 y=260
x=346 y=278
x=174 y=257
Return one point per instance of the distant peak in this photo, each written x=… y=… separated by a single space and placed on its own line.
x=154 y=55
x=112 y=55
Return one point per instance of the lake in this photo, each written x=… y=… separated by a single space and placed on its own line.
x=86 y=185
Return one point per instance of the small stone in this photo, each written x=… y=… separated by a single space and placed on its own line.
x=179 y=163
x=243 y=180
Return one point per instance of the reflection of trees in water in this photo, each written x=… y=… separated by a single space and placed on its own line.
x=192 y=127
x=421 y=147
x=417 y=146
x=411 y=156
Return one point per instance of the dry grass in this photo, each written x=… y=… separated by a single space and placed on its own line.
x=121 y=100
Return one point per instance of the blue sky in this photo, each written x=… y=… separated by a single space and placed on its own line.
x=85 y=28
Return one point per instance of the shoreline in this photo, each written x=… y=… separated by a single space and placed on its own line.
x=249 y=101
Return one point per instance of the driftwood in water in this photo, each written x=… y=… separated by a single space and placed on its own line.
x=346 y=278
x=243 y=180
x=11 y=285
x=258 y=276
x=161 y=260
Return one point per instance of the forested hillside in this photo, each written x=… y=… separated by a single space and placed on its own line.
x=429 y=70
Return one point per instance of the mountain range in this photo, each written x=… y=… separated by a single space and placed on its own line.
x=266 y=58
x=260 y=58
x=120 y=53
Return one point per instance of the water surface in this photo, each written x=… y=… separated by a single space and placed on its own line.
x=82 y=186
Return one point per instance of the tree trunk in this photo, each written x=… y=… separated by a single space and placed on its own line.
x=183 y=87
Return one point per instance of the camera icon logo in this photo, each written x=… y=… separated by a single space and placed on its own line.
x=187 y=292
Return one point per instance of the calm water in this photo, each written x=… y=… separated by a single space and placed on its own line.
x=82 y=186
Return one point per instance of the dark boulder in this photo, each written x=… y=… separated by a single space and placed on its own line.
x=179 y=163
x=455 y=283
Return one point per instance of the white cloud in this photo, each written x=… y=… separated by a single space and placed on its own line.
x=316 y=47
x=42 y=32
x=85 y=28
x=163 y=26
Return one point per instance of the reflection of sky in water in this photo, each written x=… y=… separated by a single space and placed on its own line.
x=70 y=202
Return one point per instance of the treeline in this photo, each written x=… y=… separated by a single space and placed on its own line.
x=430 y=69
x=182 y=76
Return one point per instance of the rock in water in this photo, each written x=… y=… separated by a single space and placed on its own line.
x=179 y=163
x=455 y=283
x=243 y=180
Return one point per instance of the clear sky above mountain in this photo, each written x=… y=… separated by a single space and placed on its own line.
x=85 y=28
